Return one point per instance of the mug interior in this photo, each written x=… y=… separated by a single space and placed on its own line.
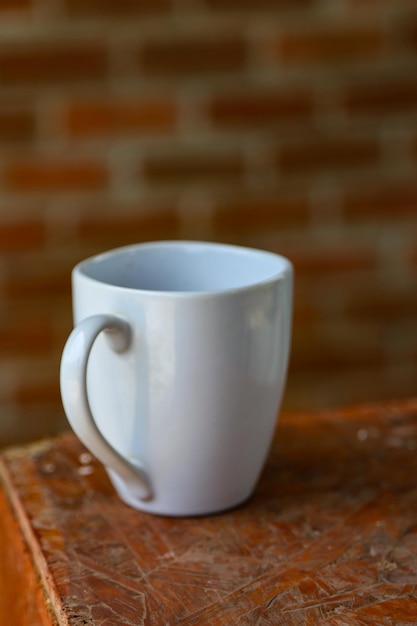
x=184 y=267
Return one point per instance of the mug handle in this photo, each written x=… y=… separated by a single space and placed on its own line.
x=73 y=381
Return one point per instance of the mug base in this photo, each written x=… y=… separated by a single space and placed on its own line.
x=186 y=513
x=174 y=509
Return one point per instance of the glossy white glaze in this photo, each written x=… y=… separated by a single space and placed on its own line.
x=179 y=396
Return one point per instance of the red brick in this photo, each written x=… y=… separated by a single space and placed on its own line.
x=122 y=8
x=411 y=33
x=24 y=339
x=383 y=305
x=304 y=315
x=412 y=256
x=188 y=168
x=54 y=175
x=312 y=352
x=392 y=201
x=15 y=5
x=333 y=261
x=260 y=5
x=16 y=125
x=193 y=56
x=114 y=230
x=261 y=108
x=328 y=154
x=374 y=4
x=21 y=236
x=330 y=45
x=254 y=214
x=382 y=98
x=34 y=285
x=95 y=118
x=344 y=387
x=28 y=394
x=54 y=62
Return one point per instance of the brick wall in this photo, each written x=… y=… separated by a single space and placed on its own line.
x=286 y=124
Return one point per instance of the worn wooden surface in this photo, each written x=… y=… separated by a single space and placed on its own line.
x=330 y=536
x=23 y=600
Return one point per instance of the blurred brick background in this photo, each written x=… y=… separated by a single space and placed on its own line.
x=285 y=124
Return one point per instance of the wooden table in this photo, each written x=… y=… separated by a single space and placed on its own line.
x=330 y=536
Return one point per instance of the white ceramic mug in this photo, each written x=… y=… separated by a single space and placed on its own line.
x=175 y=371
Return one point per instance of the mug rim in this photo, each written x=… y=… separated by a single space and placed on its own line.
x=80 y=269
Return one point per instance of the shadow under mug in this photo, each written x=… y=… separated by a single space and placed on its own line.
x=174 y=373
